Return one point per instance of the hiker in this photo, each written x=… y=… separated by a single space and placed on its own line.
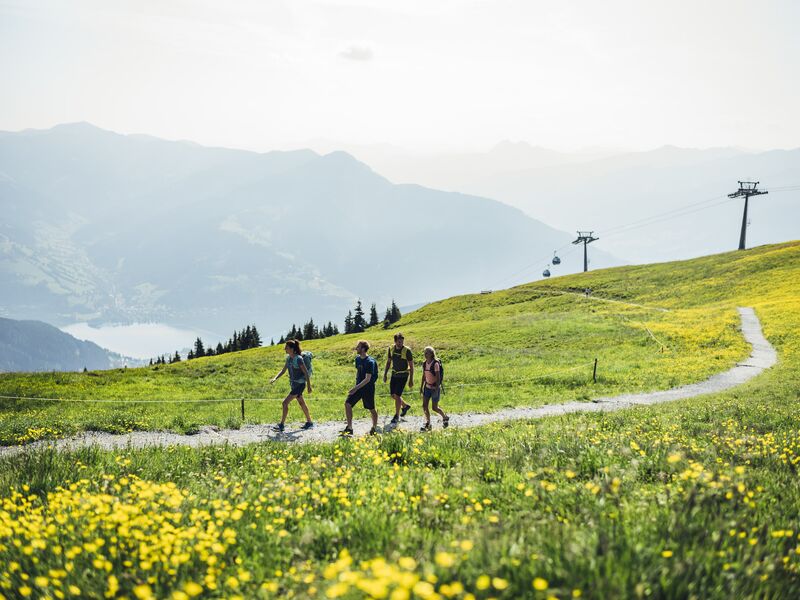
x=366 y=375
x=299 y=378
x=431 y=388
x=401 y=361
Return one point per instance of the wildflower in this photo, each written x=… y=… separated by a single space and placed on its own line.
x=667 y=553
x=483 y=582
x=499 y=583
x=445 y=559
x=540 y=584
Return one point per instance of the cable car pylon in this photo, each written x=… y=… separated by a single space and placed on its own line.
x=585 y=237
x=746 y=189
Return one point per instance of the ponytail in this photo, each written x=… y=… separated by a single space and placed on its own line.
x=294 y=345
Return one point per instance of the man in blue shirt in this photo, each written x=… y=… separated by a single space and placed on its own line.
x=364 y=390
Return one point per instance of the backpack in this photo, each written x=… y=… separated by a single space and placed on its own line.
x=307 y=357
x=437 y=361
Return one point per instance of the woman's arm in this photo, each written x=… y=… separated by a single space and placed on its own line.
x=283 y=370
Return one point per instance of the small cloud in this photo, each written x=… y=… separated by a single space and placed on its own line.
x=357 y=52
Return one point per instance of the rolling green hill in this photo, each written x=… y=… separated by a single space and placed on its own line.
x=691 y=499
x=650 y=327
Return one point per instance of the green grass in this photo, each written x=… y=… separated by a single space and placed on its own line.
x=694 y=499
x=543 y=333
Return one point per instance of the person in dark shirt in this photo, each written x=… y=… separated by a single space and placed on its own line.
x=364 y=390
x=401 y=361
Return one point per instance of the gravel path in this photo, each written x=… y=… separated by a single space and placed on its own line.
x=762 y=357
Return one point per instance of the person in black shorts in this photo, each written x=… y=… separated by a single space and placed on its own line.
x=364 y=390
x=401 y=361
x=299 y=379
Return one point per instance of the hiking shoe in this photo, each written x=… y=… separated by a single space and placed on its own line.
x=445 y=422
x=307 y=426
x=405 y=410
x=426 y=427
x=373 y=431
x=395 y=420
x=279 y=427
x=346 y=432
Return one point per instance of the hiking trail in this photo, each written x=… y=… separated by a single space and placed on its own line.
x=762 y=357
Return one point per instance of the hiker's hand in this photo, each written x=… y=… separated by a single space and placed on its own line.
x=309 y=388
x=271 y=381
x=411 y=383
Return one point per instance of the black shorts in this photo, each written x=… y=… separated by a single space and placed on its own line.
x=397 y=384
x=367 y=394
x=297 y=388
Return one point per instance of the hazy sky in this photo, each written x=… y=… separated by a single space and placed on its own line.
x=430 y=74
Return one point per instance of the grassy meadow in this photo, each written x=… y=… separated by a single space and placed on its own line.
x=693 y=499
x=670 y=324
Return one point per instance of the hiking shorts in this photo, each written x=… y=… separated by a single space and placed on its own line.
x=398 y=383
x=367 y=394
x=432 y=394
x=297 y=388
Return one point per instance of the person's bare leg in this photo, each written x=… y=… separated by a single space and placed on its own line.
x=374 y=414
x=285 y=407
x=301 y=401
x=425 y=409
x=438 y=410
x=348 y=412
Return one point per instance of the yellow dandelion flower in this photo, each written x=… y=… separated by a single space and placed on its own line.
x=499 y=583
x=444 y=559
x=667 y=553
x=540 y=584
x=483 y=582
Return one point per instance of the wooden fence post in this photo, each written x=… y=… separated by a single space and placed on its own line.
x=594 y=372
x=242 y=409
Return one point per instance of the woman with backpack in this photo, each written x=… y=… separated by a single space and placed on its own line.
x=299 y=378
x=431 y=388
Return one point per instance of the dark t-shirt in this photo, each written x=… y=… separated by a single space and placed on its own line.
x=363 y=366
x=400 y=359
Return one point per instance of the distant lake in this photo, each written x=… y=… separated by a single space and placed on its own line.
x=138 y=340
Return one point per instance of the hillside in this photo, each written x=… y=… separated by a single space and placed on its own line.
x=103 y=227
x=695 y=498
x=37 y=346
x=665 y=325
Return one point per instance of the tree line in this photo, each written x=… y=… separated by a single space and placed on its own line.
x=240 y=340
x=356 y=321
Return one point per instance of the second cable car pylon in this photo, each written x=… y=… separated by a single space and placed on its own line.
x=585 y=237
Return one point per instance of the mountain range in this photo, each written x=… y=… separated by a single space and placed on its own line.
x=606 y=190
x=109 y=228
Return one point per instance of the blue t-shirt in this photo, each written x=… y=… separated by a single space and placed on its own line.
x=363 y=366
x=296 y=374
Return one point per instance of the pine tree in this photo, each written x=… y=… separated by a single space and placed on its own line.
x=335 y=330
x=199 y=350
x=271 y=341
x=190 y=356
x=256 y=338
x=373 y=315
x=220 y=349
x=348 y=322
x=309 y=330
x=359 y=322
x=395 y=313
x=282 y=341
x=151 y=362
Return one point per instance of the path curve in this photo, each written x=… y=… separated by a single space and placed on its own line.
x=762 y=356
